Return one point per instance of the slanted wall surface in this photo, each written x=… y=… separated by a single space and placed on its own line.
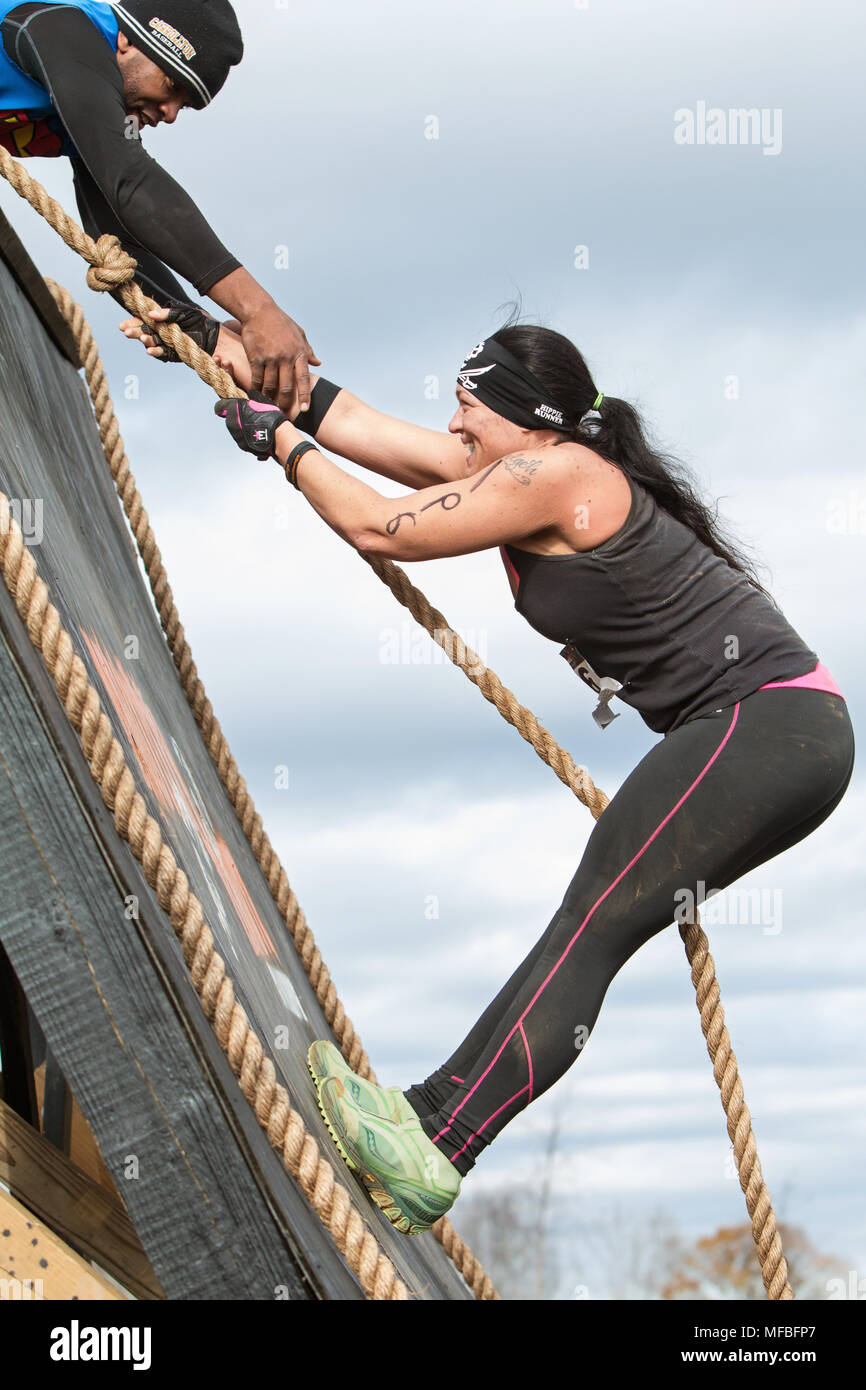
x=52 y=464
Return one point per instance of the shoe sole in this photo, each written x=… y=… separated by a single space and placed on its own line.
x=383 y=1200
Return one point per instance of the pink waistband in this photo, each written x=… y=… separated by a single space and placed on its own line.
x=819 y=679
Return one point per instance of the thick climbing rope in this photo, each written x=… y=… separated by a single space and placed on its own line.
x=215 y=742
x=247 y=1057
x=112 y=269
x=316 y=1177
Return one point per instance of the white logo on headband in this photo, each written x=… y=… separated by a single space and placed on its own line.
x=468 y=379
x=549 y=412
x=479 y=347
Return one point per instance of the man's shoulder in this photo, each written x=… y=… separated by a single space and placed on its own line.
x=83 y=16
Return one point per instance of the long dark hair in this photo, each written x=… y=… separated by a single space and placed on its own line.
x=616 y=433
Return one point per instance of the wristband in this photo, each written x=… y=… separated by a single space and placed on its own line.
x=322 y=397
x=291 y=464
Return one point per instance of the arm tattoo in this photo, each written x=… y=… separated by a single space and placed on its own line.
x=445 y=502
x=522 y=469
x=485 y=474
x=448 y=501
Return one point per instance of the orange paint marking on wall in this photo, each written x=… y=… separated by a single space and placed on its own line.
x=168 y=786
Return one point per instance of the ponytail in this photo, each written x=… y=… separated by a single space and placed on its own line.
x=615 y=432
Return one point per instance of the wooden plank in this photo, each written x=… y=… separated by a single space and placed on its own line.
x=56 y=1106
x=132 y=960
x=16 y=1056
x=78 y=1210
x=36 y=1263
x=119 y=1012
x=33 y=284
x=83 y=1148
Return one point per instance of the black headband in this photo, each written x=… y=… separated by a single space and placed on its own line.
x=498 y=379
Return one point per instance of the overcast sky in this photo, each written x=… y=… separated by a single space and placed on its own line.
x=720 y=289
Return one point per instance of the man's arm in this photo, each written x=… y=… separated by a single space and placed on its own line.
x=60 y=48
x=97 y=218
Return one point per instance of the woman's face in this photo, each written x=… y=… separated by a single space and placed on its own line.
x=487 y=436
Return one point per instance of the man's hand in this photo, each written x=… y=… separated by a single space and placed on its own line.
x=280 y=357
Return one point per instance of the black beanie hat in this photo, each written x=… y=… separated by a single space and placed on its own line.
x=195 y=41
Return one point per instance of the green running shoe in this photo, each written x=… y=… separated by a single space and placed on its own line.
x=405 y=1174
x=325 y=1060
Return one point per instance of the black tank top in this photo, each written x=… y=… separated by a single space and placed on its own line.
x=656 y=613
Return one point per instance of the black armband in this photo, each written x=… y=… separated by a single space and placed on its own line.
x=322 y=397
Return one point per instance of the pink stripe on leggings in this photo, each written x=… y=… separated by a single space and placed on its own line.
x=597 y=903
x=515 y=1097
x=528 y=1058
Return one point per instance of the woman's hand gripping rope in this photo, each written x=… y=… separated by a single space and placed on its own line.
x=252 y=424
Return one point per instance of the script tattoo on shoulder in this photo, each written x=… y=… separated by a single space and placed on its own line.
x=522 y=469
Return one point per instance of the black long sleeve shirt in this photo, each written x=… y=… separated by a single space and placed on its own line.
x=119 y=188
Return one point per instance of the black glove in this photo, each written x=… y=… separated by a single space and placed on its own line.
x=252 y=423
x=203 y=330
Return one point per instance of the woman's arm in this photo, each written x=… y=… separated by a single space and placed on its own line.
x=406 y=453
x=509 y=500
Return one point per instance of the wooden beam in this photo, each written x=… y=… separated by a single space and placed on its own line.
x=15 y=255
x=96 y=953
x=78 y=1209
x=37 y=1264
x=83 y=1149
x=17 y=1058
x=218 y=1213
x=56 y=1106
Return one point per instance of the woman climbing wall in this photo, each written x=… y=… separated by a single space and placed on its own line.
x=609 y=551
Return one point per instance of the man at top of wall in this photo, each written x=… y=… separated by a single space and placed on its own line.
x=80 y=78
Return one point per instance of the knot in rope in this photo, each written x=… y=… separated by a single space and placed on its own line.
x=112 y=267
